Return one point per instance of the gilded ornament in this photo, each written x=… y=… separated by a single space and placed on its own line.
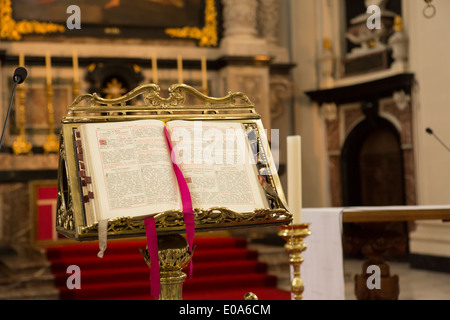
x=14 y=30
x=207 y=35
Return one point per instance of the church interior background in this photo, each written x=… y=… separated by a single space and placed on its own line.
x=361 y=101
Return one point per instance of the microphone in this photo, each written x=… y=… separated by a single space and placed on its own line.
x=20 y=74
x=430 y=132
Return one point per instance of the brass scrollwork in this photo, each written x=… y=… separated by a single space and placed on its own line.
x=211 y=217
x=151 y=96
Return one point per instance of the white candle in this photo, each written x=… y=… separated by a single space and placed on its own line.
x=155 y=68
x=76 y=75
x=48 y=68
x=180 y=69
x=294 y=177
x=204 y=75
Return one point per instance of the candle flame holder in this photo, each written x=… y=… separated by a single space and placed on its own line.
x=294 y=235
x=75 y=90
x=21 y=144
x=52 y=143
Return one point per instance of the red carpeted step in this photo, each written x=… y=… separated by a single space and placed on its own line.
x=107 y=275
x=142 y=272
x=223 y=265
x=224 y=254
x=106 y=290
x=234 y=294
x=216 y=243
x=227 y=267
x=230 y=281
x=92 y=248
x=229 y=294
x=110 y=260
x=138 y=287
x=93 y=262
x=124 y=247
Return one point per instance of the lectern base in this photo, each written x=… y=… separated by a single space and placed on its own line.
x=174 y=256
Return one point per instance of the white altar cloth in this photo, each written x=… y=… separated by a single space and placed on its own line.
x=322 y=271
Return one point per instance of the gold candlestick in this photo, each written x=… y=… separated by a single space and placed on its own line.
x=52 y=144
x=294 y=235
x=21 y=144
x=180 y=69
x=76 y=75
x=155 y=68
x=204 y=76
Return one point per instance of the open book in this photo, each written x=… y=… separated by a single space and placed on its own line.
x=126 y=168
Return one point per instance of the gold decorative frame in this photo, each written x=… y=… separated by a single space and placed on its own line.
x=13 y=30
x=88 y=108
x=207 y=35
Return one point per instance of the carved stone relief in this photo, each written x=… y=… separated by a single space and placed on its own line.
x=281 y=89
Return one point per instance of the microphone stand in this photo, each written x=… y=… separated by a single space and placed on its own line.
x=9 y=109
x=431 y=132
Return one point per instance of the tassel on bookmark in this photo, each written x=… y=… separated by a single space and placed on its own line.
x=102 y=237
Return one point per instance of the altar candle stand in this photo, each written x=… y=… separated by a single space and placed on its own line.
x=294 y=233
x=52 y=144
x=21 y=144
x=155 y=69
x=76 y=75
x=180 y=69
x=204 y=77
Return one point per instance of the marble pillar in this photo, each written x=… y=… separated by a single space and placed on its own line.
x=268 y=15
x=247 y=64
x=240 y=36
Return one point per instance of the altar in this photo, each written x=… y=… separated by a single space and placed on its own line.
x=322 y=270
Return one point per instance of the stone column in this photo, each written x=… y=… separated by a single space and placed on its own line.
x=268 y=27
x=268 y=18
x=245 y=56
x=240 y=29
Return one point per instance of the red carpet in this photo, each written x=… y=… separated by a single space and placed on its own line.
x=224 y=269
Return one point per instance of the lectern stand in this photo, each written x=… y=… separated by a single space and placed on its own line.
x=183 y=103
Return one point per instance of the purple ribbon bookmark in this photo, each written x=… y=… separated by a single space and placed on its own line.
x=188 y=211
x=150 y=228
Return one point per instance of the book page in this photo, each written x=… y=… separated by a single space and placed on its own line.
x=216 y=162
x=131 y=168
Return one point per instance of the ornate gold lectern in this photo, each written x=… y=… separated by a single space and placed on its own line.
x=182 y=103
